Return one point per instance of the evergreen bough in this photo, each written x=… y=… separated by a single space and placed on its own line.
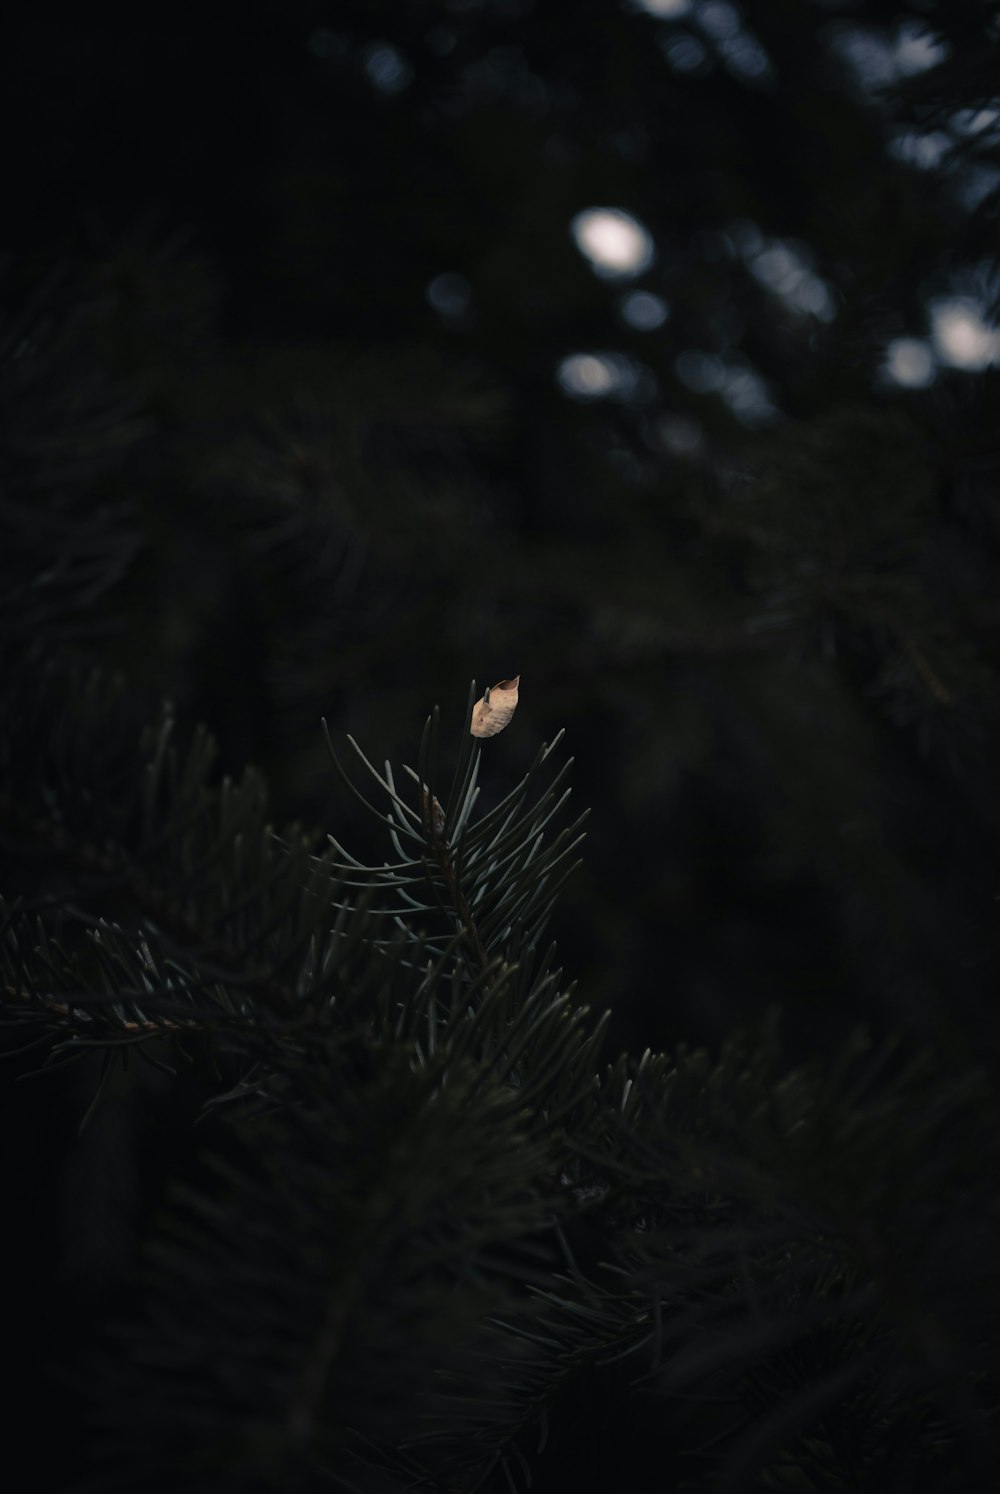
x=430 y=1231
x=431 y=1237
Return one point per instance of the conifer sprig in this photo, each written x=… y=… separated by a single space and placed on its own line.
x=487 y=884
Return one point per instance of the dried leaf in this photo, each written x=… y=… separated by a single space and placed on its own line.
x=492 y=713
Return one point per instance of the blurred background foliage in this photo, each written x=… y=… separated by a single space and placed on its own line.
x=354 y=349
x=647 y=349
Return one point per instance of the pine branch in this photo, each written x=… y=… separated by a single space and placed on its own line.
x=491 y=882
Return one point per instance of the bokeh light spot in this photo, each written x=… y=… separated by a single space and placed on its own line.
x=925 y=151
x=643 y=311
x=387 y=69
x=589 y=376
x=685 y=53
x=962 y=338
x=700 y=372
x=586 y=376
x=615 y=243
x=910 y=363
x=878 y=62
x=916 y=50
x=450 y=295
x=783 y=267
x=664 y=10
x=746 y=394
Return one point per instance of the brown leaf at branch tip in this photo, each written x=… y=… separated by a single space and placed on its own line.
x=493 y=711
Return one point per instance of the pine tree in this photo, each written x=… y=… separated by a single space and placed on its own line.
x=427 y=1223
x=424 y=1233
x=362 y=1195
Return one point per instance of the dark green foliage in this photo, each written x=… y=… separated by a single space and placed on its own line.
x=435 y=1221
x=431 y=1228
x=320 y=1176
